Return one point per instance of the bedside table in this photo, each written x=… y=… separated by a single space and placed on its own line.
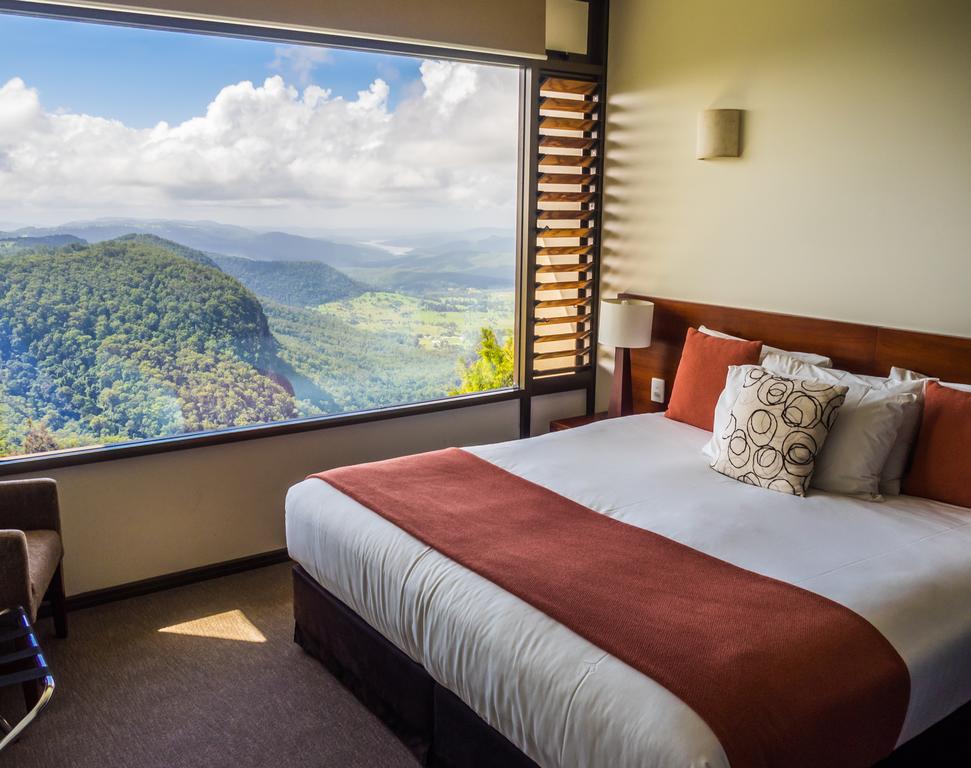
x=558 y=425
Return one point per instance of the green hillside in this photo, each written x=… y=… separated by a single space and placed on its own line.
x=126 y=339
x=140 y=337
x=436 y=322
x=294 y=283
x=10 y=244
x=361 y=368
x=180 y=250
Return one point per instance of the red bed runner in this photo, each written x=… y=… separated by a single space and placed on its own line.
x=782 y=676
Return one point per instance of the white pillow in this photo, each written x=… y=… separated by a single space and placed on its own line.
x=863 y=437
x=902 y=374
x=896 y=466
x=808 y=357
x=874 y=432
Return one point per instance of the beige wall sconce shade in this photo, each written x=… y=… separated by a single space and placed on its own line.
x=718 y=133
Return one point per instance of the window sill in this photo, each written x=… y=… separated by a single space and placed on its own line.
x=78 y=456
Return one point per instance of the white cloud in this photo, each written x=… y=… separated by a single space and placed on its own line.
x=21 y=109
x=300 y=60
x=447 y=149
x=448 y=84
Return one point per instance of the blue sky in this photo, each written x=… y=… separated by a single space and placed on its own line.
x=143 y=76
x=76 y=97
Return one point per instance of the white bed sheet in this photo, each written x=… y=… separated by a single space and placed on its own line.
x=904 y=564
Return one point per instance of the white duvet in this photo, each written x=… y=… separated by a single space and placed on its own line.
x=905 y=565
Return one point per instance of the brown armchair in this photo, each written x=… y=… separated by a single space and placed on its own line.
x=31 y=549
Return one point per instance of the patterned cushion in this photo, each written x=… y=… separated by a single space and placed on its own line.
x=775 y=429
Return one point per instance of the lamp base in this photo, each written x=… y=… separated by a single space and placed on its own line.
x=622 y=391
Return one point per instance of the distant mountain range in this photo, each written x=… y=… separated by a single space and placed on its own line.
x=481 y=258
x=212 y=237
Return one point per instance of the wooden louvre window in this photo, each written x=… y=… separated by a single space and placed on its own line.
x=566 y=225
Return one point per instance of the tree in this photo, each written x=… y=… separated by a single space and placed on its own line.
x=491 y=369
x=130 y=339
x=7 y=438
x=38 y=438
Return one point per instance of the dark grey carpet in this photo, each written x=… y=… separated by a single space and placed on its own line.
x=130 y=695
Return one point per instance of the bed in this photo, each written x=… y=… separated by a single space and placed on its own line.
x=440 y=651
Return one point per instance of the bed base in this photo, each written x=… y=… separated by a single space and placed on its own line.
x=443 y=732
x=432 y=722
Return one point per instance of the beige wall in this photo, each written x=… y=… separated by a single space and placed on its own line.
x=852 y=199
x=142 y=517
x=559 y=405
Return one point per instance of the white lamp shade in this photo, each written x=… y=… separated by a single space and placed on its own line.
x=626 y=323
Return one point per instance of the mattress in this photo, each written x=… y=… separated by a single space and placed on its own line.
x=904 y=565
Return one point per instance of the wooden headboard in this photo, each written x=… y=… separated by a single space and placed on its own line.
x=865 y=349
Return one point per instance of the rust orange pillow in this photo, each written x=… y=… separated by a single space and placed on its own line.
x=701 y=375
x=941 y=465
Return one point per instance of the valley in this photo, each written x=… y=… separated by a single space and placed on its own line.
x=139 y=336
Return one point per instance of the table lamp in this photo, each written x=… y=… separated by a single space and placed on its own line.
x=624 y=324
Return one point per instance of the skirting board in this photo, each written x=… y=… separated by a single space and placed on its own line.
x=171 y=580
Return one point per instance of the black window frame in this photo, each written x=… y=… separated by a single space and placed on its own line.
x=129 y=449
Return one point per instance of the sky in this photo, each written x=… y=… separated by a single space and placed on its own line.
x=104 y=121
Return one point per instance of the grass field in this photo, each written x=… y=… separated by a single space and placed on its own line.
x=444 y=321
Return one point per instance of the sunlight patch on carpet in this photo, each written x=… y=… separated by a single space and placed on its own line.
x=229 y=625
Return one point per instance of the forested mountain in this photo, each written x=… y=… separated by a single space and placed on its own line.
x=127 y=339
x=14 y=244
x=294 y=283
x=186 y=253
x=282 y=246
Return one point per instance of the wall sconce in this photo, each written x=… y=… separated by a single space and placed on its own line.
x=718 y=132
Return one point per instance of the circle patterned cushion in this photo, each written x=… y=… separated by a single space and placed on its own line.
x=775 y=430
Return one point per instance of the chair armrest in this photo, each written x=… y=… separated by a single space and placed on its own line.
x=30 y=505
x=14 y=577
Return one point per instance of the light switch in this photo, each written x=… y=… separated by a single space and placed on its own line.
x=657 y=390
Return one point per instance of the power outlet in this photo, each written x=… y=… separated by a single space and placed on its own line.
x=657 y=390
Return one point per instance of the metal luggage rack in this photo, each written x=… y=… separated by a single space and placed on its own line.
x=28 y=668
